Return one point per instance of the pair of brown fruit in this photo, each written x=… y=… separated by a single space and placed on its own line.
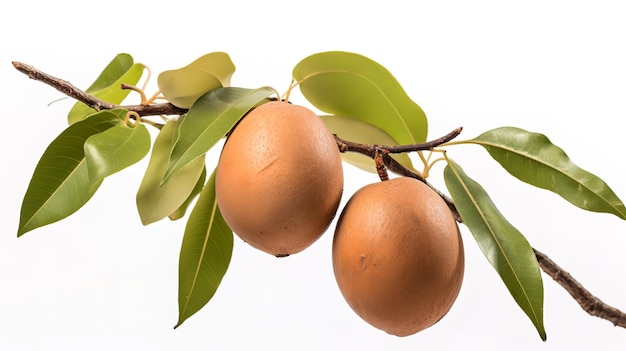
x=397 y=252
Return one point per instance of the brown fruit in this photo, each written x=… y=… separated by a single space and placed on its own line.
x=398 y=256
x=279 y=179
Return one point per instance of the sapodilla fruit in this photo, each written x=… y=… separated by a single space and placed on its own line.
x=279 y=178
x=398 y=256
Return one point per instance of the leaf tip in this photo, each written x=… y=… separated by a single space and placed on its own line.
x=181 y=320
x=542 y=334
x=23 y=229
x=166 y=178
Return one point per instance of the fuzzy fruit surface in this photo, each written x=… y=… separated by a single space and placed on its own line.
x=279 y=179
x=398 y=256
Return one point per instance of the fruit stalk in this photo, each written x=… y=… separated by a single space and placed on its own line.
x=380 y=165
x=396 y=167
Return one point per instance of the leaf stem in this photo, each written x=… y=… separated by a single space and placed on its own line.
x=137 y=90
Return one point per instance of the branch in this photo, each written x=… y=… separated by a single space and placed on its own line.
x=372 y=150
x=585 y=299
x=589 y=303
x=70 y=90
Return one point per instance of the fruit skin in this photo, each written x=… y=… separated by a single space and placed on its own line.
x=279 y=179
x=398 y=256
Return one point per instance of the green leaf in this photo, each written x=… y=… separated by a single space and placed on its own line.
x=155 y=202
x=107 y=86
x=209 y=119
x=205 y=254
x=115 y=149
x=119 y=112
x=352 y=85
x=361 y=132
x=183 y=86
x=60 y=183
x=112 y=72
x=504 y=246
x=532 y=158
x=180 y=211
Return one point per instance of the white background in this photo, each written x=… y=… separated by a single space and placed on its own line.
x=99 y=280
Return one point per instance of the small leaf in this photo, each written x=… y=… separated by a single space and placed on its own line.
x=107 y=86
x=352 y=85
x=183 y=86
x=60 y=183
x=532 y=158
x=180 y=211
x=209 y=119
x=361 y=132
x=205 y=254
x=504 y=246
x=155 y=202
x=115 y=149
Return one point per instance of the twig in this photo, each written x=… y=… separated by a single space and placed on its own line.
x=370 y=149
x=590 y=304
x=70 y=90
x=424 y=146
x=396 y=167
x=585 y=299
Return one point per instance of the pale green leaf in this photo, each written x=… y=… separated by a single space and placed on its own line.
x=205 y=254
x=114 y=149
x=107 y=89
x=182 y=209
x=361 y=132
x=348 y=84
x=209 y=119
x=183 y=86
x=505 y=247
x=532 y=158
x=60 y=183
x=155 y=202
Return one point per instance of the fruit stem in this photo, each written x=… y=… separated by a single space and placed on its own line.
x=380 y=165
x=396 y=167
